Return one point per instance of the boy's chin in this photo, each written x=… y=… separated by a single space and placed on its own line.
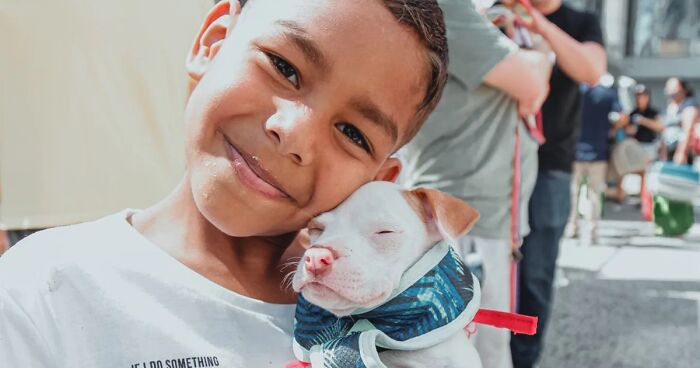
x=243 y=215
x=241 y=223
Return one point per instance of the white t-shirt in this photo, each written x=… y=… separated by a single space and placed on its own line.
x=99 y=294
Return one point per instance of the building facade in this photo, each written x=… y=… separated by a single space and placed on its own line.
x=650 y=40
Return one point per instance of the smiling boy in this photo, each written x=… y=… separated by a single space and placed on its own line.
x=297 y=103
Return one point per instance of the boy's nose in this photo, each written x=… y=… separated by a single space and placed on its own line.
x=294 y=134
x=318 y=261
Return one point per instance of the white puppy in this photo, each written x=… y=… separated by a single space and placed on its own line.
x=360 y=253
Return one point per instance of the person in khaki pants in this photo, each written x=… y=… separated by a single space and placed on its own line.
x=592 y=154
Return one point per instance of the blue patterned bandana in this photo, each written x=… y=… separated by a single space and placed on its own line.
x=437 y=297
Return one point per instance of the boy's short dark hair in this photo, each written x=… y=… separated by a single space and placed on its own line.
x=425 y=19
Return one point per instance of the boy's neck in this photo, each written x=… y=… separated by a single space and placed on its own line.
x=248 y=266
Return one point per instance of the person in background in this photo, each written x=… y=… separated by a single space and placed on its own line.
x=467 y=149
x=86 y=127
x=645 y=123
x=645 y=126
x=577 y=41
x=592 y=151
x=682 y=116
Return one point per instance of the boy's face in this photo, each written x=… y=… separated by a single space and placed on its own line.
x=297 y=104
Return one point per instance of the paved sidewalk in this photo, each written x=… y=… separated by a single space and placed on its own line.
x=632 y=300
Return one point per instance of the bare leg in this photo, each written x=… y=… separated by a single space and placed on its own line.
x=571 y=230
x=596 y=187
x=619 y=193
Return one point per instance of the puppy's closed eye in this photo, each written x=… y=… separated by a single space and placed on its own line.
x=383 y=232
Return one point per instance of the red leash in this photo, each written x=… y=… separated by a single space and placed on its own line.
x=518 y=323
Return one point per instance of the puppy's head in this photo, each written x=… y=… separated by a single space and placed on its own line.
x=360 y=250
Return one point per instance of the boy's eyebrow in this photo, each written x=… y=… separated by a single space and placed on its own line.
x=373 y=113
x=300 y=37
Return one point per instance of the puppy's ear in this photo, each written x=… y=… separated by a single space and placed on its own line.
x=446 y=216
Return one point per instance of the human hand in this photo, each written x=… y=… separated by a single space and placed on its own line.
x=528 y=107
x=624 y=119
x=536 y=22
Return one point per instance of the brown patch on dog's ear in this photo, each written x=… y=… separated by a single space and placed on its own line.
x=451 y=216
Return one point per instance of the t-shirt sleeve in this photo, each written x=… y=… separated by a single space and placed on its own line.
x=590 y=30
x=476 y=46
x=21 y=344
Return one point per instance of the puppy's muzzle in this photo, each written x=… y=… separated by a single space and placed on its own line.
x=318 y=261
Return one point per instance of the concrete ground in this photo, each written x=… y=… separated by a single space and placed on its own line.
x=630 y=300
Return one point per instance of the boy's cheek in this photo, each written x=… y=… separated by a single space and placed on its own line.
x=340 y=179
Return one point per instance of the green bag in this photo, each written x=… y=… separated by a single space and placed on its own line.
x=672 y=218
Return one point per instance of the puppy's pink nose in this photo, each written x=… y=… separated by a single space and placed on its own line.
x=318 y=260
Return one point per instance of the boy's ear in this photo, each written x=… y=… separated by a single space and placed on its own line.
x=211 y=35
x=389 y=171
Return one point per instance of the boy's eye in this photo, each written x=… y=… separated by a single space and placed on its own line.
x=354 y=135
x=285 y=69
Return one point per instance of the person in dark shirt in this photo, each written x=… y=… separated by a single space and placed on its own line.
x=645 y=121
x=592 y=151
x=645 y=126
x=576 y=41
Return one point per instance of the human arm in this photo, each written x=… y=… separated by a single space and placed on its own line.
x=481 y=54
x=654 y=124
x=523 y=75
x=689 y=118
x=585 y=61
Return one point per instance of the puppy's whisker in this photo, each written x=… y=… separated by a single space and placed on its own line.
x=293 y=262
x=287 y=280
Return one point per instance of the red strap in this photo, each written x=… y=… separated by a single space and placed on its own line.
x=513 y=285
x=518 y=323
x=515 y=218
x=298 y=364
x=515 y=195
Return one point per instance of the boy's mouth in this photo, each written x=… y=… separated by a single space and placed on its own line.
x=252 y=174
